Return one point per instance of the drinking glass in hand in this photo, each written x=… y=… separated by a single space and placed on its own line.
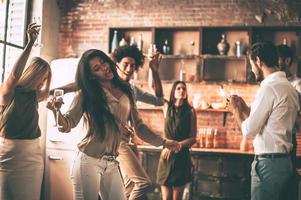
x=131 y=133
x=58 y=96
x=38 y=43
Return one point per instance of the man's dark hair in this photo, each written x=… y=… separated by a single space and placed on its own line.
x=285 y=52
x=266 y=52
x=129 y=51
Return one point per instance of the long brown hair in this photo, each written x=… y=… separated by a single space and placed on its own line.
x=38 y=72
x=95 y=104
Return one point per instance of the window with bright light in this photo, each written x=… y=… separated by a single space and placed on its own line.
x=13 y=21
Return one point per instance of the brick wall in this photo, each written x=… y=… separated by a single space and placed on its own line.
x=85 y=23
x=228 y=132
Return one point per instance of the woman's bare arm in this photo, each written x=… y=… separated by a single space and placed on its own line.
x=7 y=88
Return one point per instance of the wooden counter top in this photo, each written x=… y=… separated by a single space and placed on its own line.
x=198 y=109
x=199 y=150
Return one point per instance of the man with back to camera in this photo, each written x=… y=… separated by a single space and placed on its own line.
x=270 y=121
x=129 y=59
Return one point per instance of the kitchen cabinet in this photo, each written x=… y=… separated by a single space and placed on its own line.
x=196 y=49
x=217 y=173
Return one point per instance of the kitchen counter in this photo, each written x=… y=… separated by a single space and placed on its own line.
x=217 y=173
x=199 y=150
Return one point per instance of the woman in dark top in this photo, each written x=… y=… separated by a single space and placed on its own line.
x=21 y=160
x=174 y=169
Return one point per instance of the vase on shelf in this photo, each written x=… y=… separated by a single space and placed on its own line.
x=166 y=47
x=123 y=42
x=114 y=44
x=140 y=42
x=133 y=42
x=223 y=46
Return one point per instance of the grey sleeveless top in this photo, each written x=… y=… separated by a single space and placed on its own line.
x=19 y=119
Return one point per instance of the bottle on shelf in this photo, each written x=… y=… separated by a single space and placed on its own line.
x=223 y=46
x=284 y=41
x=122 y=42
x=238 y=48
x=150 y=52
x=192 y=44
x=182 y=71
x=140 y=42
x=132 y=41
x=166 y=47
x=114 y=44
x=215 y=139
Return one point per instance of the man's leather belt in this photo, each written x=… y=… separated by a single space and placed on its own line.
x=272 y=155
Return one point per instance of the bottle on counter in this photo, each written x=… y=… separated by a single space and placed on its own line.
x=215 y=139
x=209 y=138
x=201 y=138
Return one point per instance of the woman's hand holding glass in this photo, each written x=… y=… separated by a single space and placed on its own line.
x=38 y=22
x=33 y=32
x=127 y=132
x=55 y=103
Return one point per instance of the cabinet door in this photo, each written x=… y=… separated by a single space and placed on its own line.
x=58 y=168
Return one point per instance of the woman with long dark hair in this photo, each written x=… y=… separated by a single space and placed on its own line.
x=174 y=169
x=21 y=159
x=106 y=102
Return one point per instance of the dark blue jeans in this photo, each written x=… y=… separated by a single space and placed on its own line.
x=269 y=177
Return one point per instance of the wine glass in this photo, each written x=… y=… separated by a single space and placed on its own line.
x=131 y=142
x=38 y=43
x=58 y=95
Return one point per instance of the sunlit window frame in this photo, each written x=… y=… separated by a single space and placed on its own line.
x=5 y=42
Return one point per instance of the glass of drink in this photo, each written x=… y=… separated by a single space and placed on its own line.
x=58 y=95
x=38 y=43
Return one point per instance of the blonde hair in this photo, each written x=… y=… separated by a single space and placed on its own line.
x=38 y=72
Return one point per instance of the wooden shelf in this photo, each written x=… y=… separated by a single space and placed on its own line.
x=164 y=56
x=223 y=110
x=197 y=46
x=208 y=56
